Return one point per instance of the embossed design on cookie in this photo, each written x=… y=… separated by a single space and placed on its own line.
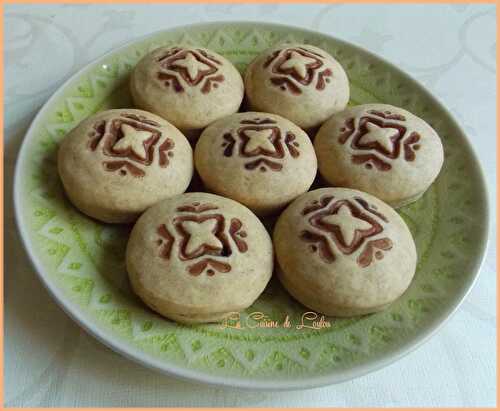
x=376 y=138
x=130 y=141
x=261 y=141
x=345 y=226
x=203 y=238
x=297 y=67
x=181 y=68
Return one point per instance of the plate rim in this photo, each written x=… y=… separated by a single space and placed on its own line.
x=275 y=383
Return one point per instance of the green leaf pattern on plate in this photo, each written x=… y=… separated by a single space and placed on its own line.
x=86 y=259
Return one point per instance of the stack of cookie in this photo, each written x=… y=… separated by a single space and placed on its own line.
x=340 y=249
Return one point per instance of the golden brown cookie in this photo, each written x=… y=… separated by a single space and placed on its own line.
x=381 y=149
x=262 y=160
x=189 y=86
x=343 y=252
x=198 y=257
x=299 y=82
x=117 y=163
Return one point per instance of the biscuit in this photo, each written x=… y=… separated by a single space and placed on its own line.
x=117 y=163
x=261 y=160
x=189 y=86
x=199 y=257
x=381 y=149
x=342 y=252
x=299 y=82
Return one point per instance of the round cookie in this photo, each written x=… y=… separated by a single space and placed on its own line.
x=381 y=149
x=300 y=82
x=189 y=86
x=198 y=257
x=117 y=163
x=262 y=160
x=343 y=252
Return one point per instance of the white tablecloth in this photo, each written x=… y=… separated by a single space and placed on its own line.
x=50 y=361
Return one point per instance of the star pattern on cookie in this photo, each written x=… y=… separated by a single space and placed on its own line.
x=201 y=235
x=191 y=66
x=347 y=223
x=259 y=139
x=298 y=63
x=133 y=140
x=383 y=136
